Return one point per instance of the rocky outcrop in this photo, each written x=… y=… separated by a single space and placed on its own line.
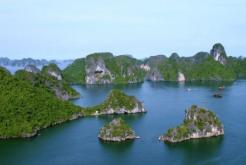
x=145 y=67
x=181 y=77
x=105 y=68
x=97 y=72
x=38 y=106
x=138 y=108
x=198 y=123
x=53 y=70
x=32 y=69
x=116 y=131
x=174 y=57
x=42 y=79
x=64 y=94
x=118 y=103
x=154 y=61
x=57 y=75
x=218 y=53
x=154 y=75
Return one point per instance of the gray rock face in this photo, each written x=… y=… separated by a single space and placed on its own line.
x=198 y=123
x=139 y=108
x=55 y=74
x=154 y=75
x=63 y=94
x=116 y=131
x=218 y=53
x=32 y=69
x=181 y=77
x=52 y=70
x=97 y=73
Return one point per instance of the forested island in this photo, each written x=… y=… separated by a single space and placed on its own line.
x=117 y=102
x=33 y=98
x=29 y=103
x=27 y=108
x=117 y=131
x=105 y=68
x=198 y=123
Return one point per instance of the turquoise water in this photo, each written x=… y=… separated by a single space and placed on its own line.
x=76 y=142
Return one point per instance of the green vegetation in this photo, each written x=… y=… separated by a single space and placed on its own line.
x=124 y=68
x=116 y=129
x=200 y=67
x=197 y=120
x=238 y=65
x=207 y=69
x=44 y=80
x=115 y=100
x=28 y=104
x=219 y=47
x=75 y=73
x=51 y=68
x=25 y=109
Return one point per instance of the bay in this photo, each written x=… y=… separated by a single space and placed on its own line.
x=76 y=142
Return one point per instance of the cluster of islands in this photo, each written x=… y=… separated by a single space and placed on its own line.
x=35 y=98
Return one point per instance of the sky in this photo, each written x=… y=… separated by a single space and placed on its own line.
x=59 y=29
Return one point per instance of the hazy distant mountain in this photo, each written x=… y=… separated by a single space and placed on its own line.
x=14 y=65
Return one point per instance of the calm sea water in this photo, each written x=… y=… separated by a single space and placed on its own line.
x=76 y=142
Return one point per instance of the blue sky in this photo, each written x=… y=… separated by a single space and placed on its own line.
x=57 y=29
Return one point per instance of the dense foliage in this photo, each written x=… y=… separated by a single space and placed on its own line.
x=124 y=68
x=116 y=128
x=196 y=120
x=200 y=67
x=75 y=73
x=44 y=80
x=25 y=109
x=238 y=65
x=207 y=69
x=115 y=100
x=51 y=68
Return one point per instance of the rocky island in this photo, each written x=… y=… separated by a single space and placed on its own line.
x=117 y=102
x=106 y=68
x=26 y=108
x=28 y=104
x=117 y=131
x=198 y=123
x=50 y=77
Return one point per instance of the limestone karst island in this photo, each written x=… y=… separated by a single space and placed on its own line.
x=39 y=94
x=198 y=123
x=117 y=130
x=122 y=82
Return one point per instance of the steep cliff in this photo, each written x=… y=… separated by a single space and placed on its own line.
x=218 y=53
x=50 y=82
x=117 y=103
x=96 y=70
x=198 y=123
x=25 y=109
x=52 y=70
x=32 y=69
x=105 y=68
x=116 y=131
